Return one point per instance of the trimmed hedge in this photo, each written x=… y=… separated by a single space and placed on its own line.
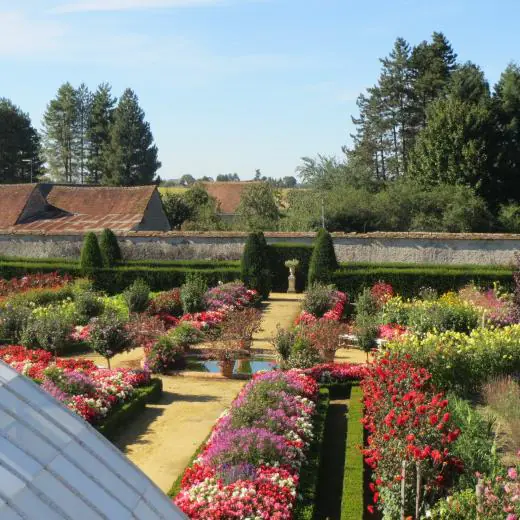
x=121 y=415
x=305 y=508
x=278 y=253
x=352 y=501
x=408 y=281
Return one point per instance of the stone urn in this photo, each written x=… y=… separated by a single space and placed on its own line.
x=292 y=265
x=226 y=367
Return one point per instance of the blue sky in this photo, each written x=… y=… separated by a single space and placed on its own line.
x=235 y=85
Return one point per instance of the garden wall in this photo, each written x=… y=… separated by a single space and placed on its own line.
x=423 y=248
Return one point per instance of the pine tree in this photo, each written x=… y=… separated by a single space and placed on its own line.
x=109 y=246
x=19 y=145
x=323 y=261
x=90 y=258
x=506 y=102
x=131 y=157
x=98 y=131
x=254 y=265
x=83 y=111
x=60 y=134
x=468 y=84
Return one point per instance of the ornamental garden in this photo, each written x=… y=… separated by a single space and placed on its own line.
x=391 y=393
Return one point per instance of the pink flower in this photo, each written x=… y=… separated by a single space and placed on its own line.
x=512 y=473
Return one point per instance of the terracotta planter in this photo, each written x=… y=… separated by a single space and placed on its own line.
x=328 y=356
x=226 y=367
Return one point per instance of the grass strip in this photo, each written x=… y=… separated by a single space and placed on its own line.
x=352 y=501
x=307 y=490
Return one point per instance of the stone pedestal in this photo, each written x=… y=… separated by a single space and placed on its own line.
x=292 y=283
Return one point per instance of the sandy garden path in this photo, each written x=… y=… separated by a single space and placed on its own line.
x=163 y=438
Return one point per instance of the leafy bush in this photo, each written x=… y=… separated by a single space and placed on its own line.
x=137 y=296
x=109 y=246
x=367 y=331
x=87 y=305
x=254 y=265
x=49 y=331
x=192 y=293
x=318 y=299
x=303 y=354
x=13 y=320
x=366 y=304
x=185 y=335
x=323 y=260
x=283 y=342
x=164 y=355
x=168 y=302
x=90 y=258
x=109 y=336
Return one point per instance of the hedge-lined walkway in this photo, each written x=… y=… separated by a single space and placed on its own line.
x=162 y=440
x=281 y=309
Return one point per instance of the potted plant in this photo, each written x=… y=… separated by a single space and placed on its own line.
x=226 y=355
x=292 y=265
x=324 y=335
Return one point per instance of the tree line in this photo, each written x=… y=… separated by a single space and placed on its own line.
x=188 y=180
x=434 y=148
x=87 y=137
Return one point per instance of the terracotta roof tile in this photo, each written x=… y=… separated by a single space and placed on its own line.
x=101 y=200
x=14 y=199
x=227 y=193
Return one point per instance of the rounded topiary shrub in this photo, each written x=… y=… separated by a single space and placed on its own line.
x=323 y=260
x=110 y=251
x=91 y=258
x=254 y=265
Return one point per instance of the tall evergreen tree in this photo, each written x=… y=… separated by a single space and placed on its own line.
x=98 y=132
x=506 y=103
x=468 y=84
x=84 y=107
x=60 y=134
x=453 y=148
x=19 y=145
x=131 y=157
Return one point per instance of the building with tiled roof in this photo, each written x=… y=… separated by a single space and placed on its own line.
x=81 y=208
x=227 y=194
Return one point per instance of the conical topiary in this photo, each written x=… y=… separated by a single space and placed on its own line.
x=254 y=266
x=91 y=258
x=109 y=246
x=323 y=260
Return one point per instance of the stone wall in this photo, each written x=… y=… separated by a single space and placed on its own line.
x=438 y=248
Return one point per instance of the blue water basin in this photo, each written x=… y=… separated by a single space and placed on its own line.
x=242 y=366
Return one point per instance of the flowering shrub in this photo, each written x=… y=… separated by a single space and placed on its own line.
x=324 y=335
x=497 y=309
x=391 y=331
x=464 y=362
x=166 y=303
x=233 y=294
x=252 y=470
x=87 y=390
x=499 y=498
x=332 y=312
x=33 y=281
x=381 y=292
x=407 y=422
x=336 y=372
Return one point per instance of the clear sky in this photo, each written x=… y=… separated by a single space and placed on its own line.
x=234 y=85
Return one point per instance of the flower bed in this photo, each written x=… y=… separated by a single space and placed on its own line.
x=251 y=463
x=407 y=423
x=89 y=391
x=33 y=281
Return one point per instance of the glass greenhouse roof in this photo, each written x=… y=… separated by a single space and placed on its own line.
x=53 y=465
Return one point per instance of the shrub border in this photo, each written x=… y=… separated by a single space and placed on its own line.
x=305 y=507
x=128 y=410
x=352 y=500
